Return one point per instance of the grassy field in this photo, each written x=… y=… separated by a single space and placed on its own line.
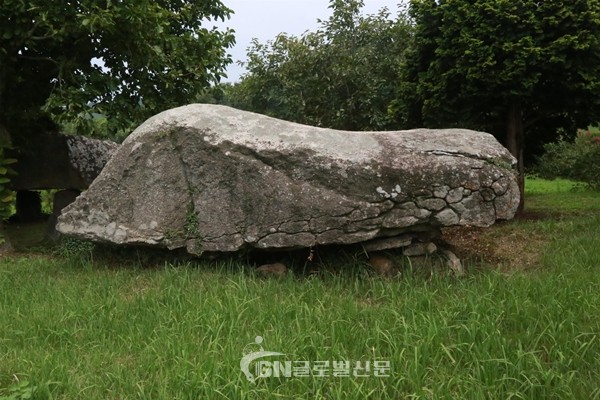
x=523 y=324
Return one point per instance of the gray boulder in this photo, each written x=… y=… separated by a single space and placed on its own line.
x=213 y=178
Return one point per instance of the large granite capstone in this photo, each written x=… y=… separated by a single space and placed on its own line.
x=212 y=178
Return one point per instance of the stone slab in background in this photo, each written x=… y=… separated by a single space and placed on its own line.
x=56 y=161
x=212 y=178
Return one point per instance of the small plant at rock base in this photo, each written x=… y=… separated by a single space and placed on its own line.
x=191 y=223
x=171 y=235
x=71 y=247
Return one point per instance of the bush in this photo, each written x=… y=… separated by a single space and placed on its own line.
x=578 y=160
x=7 y=197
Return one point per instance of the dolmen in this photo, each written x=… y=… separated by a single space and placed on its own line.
x=210 y=178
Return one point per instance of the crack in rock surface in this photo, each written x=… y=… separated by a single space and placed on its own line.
x=213 y=178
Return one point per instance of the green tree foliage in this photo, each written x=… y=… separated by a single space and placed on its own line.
x=525 y=70
x=101 y=66
x=126 y=60
x=7 y=196
x=344 y=75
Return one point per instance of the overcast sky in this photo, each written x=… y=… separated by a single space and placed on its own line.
x=264 y=19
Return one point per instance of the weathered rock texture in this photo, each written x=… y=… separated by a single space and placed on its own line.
x=88 y=156
x=212 y=178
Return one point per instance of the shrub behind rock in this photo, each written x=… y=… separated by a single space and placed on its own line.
x=578 y=160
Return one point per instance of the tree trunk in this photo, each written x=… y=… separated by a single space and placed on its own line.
x=514 y=143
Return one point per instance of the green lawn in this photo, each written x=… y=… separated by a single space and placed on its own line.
x=80 y=328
